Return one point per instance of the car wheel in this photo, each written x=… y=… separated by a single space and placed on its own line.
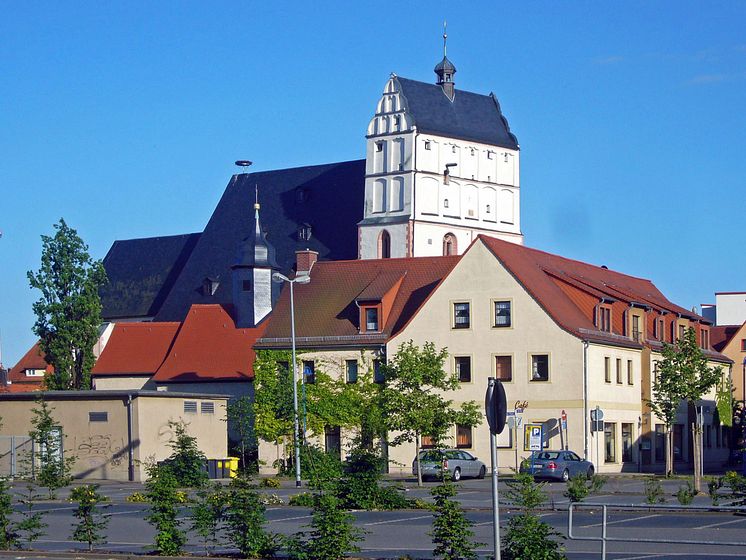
x=590 y=472
x=565 y=475
x=456 y=474
x=482 y=472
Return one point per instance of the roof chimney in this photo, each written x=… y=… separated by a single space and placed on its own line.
x=304 y=260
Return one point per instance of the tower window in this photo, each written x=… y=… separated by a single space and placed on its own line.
x=490 y=155
x=449 y=244
x=379 y=146
x=209 y=286
x=487 y=209
x=445 y=203
x=304 y=232
x=384 y=245
x=246 y=286
x=397 y=121
x=453 y=149
x=427 y=144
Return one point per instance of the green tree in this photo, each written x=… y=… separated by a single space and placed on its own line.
x=31 y=526
x=208 y=512
x=240 y=418
x=245 y=518
x=683 y=374
x=452 y=531
x=161 y=491
x=187 y=462
x=68 y=313
x=413 y=399
x=54 y=469
x=8 y=535
x=91 y=521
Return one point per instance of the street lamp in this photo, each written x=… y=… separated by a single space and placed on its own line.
x=299 y=279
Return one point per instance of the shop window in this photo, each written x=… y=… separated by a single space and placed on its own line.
x=463 y=368
x=626 y=442
x=609 y=442
x=660 y=443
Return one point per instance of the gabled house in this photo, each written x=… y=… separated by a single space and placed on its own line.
x=730 y=340
x=564 y=337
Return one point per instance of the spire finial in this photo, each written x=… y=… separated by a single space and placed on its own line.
x=445 y=36
x=256 y=197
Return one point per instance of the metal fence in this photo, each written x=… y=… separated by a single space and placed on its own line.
x=603 y=538
x=16 y=456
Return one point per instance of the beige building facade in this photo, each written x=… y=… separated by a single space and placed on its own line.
x=113 y=435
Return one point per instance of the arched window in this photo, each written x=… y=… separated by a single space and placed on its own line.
x=384 y=245
x=449 y=244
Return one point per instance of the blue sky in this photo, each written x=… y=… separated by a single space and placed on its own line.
x=125 y=119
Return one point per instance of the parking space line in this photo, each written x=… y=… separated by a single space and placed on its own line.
x=721 y=523
x=620 y=521
x=288 y=518
x=397 y=520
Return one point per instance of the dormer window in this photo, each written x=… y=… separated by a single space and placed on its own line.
x=301 y=195
x=33 y=372
x=704 y=339
x=603 y=318
x=370 y=317
x=209 y=286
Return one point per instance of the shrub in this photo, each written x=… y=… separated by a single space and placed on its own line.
x=736 y=486
x=527 y=537
x=332 y=535
x=360 y=486
x=579 y=487
x=91 y=521
x=161 y=492
x=271 y=500
x=8 y=536
x=524 y=492
x=713 y=485
x=451 y=532
x=654 y=491
x=137 y=498
x=304 y=499
x=207 y=514
x=245 y=520
x=270 y=483
x=685 y=494
x=187 y=462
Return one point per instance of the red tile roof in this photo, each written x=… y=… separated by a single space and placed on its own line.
x=135 y=349
x=721 y=335
x=209 y=347
x=326 y=312
x=562 y=286
x=33 y=359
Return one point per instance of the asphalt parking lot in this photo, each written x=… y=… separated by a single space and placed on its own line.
x=393 y=534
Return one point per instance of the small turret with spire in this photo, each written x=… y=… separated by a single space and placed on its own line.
x=445 y=69
x=254 y=293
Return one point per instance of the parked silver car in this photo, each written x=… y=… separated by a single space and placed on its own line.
x=559 y=465
x=456 y=461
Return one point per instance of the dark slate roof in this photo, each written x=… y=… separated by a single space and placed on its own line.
x=470 y=116
x=329 y=198
x=141 y=273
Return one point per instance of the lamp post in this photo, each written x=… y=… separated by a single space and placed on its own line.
x=300 y=279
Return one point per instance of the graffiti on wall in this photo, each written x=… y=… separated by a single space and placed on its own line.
x=99 y=449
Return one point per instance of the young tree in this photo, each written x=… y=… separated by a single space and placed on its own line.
x=452 y=531
x=240 y=418
x=68 y=313
x=413 y=398
x=91 y=521
x=207 y=514
x=8 y=535
x=31 y=525
x=54 y=469
x=682 y=375
x=161 y=490
x=245 y=518
x=187 y=462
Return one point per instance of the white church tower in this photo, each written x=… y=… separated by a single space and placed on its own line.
x=441 y=168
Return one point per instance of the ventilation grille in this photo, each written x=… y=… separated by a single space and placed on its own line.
x=207 y=407
x=190 y=407
x=98 y=416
